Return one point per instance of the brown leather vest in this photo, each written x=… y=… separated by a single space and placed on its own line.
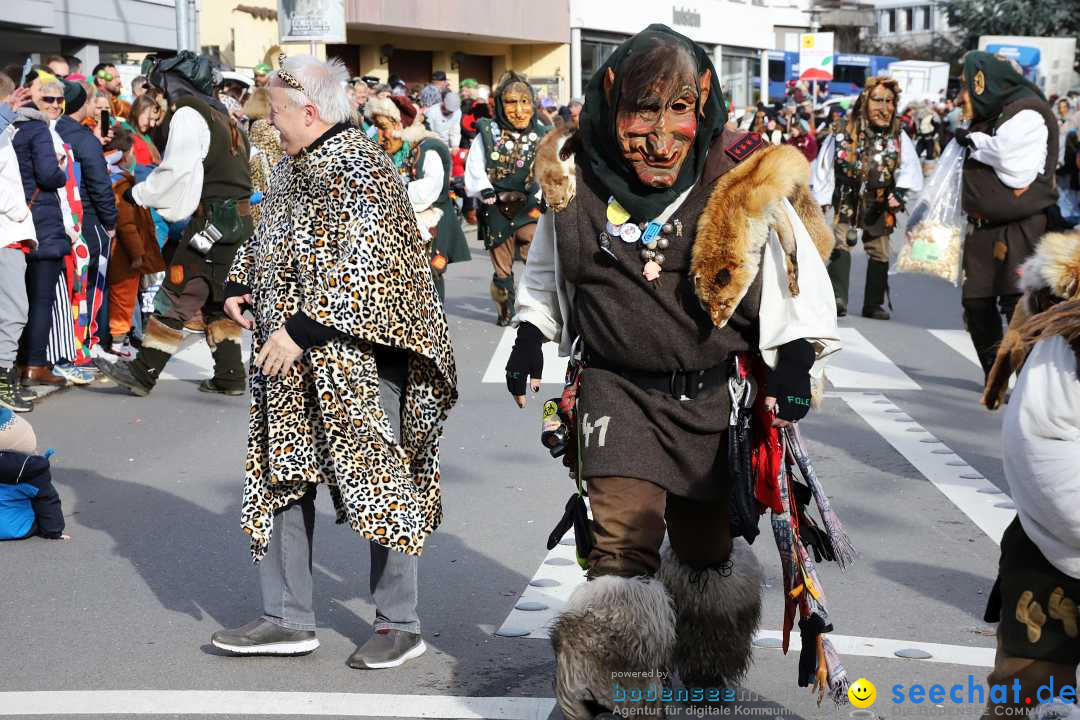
x=633 y=323
x=987 y=198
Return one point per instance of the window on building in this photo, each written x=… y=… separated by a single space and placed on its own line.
x=927 y=17
x=888 y=22
x=854 y=74
x=593 y=54
x=909 y=19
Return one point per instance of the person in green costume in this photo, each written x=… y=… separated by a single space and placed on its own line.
x=499 y=173
x=424 y=163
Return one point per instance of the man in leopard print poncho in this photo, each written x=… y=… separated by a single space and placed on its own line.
x=353 y=373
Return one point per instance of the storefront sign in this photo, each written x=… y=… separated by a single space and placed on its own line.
x=686 y=17
x=816 y=56
x=321 y=21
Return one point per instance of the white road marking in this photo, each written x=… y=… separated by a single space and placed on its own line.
x=199 y=702
x=194 y=361
x=861 y=366
x=960 y=341
x=964 y=492
x=554 y=366
x=885 y=648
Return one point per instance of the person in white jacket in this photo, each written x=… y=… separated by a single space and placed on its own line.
x=671 y=247
x=1037 y=592
x=17 y=235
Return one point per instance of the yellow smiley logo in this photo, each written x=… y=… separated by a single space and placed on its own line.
x=862 y=693
x=979 y=82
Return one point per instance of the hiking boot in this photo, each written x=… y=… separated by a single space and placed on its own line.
x=877 y=288
x=10 y=396
x=262 y=637
x=210 y=386
x=387 y=649
x=120 y=373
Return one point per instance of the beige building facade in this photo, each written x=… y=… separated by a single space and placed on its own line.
x=478 y=39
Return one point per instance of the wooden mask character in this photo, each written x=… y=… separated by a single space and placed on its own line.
x=661 y=99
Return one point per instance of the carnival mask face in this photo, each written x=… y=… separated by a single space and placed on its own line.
x=881 y=106
x=518 y=106
x=657 y=117
x=386 y=130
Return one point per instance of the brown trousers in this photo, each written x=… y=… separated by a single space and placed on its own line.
x=629 y=520
x=1032 y=675
x=877 y=248
x=502 y=255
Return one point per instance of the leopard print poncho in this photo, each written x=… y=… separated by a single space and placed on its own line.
x=338 y=240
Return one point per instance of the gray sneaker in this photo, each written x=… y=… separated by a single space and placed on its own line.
x=387 y=649
x=262 y=637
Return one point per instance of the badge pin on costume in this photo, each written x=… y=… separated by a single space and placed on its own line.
x=651 y=237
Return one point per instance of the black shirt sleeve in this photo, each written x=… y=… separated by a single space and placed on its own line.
x=308 y=333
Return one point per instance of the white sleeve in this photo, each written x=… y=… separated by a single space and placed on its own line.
x=175 y=186
x=425 y=191
x=823 y=173
x=810 y=315
x=538 y=295
x=1017 y=152
x=476 y=179
x=12 y=199
x=910 y=176
x=455 y=130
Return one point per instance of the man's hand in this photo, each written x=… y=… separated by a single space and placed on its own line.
x=234 y=308
x=278 y=354
x=17 y=98
x=893 y=202
x=526 y=360
x=487 y=196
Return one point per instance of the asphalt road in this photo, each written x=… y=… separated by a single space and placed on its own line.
x=157 y=562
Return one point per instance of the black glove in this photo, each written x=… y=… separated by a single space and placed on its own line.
x=526 y=359
x=129 y=197
x=961 y=135
x=487 y=193
x=789 y=381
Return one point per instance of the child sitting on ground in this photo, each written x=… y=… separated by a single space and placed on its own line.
x=29 y=504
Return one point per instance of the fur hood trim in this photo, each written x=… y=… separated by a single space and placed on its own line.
x=381 y=106
x=1054 y=266
x=744 y=207
x=416 y=133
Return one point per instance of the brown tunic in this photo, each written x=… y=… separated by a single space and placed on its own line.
x=1019 y=222
x=622 y=318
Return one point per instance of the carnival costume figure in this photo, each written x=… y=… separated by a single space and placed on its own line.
x=423 y=160
x=204 y=176
x=671 y=246
x=1009 y=183
x=865 y=171
x=499 y=172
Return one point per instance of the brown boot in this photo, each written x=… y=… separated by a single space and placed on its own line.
x=40 y=375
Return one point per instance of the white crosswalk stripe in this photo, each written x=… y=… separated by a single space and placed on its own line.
x=860 y=365
x=960 y=341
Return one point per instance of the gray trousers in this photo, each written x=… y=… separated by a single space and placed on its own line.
x=285 y=572
x=13 y=304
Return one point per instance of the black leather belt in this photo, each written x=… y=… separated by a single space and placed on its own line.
x=680 y=384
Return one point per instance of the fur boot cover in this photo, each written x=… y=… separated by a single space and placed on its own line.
x=612 y=629
x=716 y=617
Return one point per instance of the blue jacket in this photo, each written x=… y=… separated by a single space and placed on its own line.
x=29 y=504
x=99 y=203
x=41 y=172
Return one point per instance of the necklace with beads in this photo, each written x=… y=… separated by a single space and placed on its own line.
x=651 y=238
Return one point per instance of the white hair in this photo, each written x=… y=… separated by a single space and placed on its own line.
x=324 y=84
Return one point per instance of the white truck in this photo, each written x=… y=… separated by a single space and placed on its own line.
x=920 y=80
x=1046 y=61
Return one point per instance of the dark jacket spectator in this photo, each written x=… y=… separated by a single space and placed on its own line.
x=95 y=185
x=42 y=176
x=29 y=504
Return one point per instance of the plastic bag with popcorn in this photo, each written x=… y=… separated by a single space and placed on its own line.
x=936 y=225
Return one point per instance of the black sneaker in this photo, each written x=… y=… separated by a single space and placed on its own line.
x=11 y=395
x=262 y=637
x=387 y=649
x=120 y=373
x=210 y=386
